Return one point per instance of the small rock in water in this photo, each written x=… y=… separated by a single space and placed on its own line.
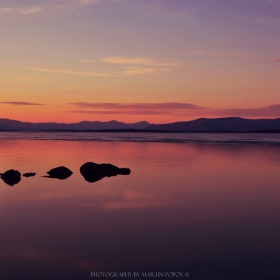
x=93 y=172
x=60 y=172
x=11 y=177
x=29 y=174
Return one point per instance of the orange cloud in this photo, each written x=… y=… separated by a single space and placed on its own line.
x=19 y=103
x=128 y=71
x=137 y=61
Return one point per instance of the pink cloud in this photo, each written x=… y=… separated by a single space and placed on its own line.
x=174 y=109
x=137 y=106
x=119 y=112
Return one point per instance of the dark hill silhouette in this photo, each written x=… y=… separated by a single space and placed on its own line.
x=7 y=124
x=232 y=124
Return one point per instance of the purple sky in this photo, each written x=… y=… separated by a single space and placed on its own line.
x=220 y=56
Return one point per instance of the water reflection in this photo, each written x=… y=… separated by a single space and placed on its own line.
x=210 y=210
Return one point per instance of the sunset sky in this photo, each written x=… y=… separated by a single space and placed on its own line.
x=132 y=60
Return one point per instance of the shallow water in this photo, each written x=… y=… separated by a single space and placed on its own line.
x=209 y=208
x=203 y=138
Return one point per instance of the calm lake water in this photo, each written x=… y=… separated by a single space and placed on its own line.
x=204 y=205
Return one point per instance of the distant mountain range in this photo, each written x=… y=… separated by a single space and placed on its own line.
x=232 y=124
x=6 y=124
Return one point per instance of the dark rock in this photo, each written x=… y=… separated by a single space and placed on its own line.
x=93 y=172
x=11 y=177
x=30 y=174
x=60 y=172
x=124 y=171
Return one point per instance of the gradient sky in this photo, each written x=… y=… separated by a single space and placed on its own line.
x=132 y=60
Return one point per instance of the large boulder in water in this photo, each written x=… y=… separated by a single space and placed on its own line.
x=11 y=177
x=93 y=172
x=60 y=172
